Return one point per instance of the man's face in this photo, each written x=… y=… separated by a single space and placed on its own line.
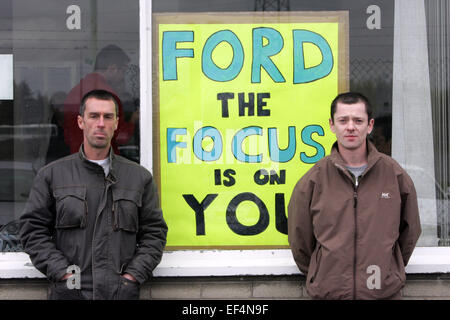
x=351 y=125
x=98 y=123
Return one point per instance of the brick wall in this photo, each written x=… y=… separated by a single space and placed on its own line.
x=435 y=286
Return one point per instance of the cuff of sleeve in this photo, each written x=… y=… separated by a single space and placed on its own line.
x=136 y=275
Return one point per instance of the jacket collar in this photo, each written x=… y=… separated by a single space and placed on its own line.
x=111 y=176
x=372 y=156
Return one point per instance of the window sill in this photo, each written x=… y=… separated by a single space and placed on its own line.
x=190 y=263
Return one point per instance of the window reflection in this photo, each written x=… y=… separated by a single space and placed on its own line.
x=54 y=49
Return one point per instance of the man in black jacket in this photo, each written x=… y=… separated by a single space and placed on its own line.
x=93 y=224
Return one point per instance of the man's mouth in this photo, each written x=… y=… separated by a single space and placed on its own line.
x=100 y=134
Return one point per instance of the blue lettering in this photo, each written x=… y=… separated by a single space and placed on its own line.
x=210 y=69
x=262 y=54
x=170 y=53
x=307 y=139
x=239 y=138
x=302 y=74
x=216 y=151
x=281 y=155
x=172 y=143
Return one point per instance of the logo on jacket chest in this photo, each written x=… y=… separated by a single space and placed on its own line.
x=385 y=195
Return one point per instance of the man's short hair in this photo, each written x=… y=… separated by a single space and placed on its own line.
x=101 y=95
x=351 y=98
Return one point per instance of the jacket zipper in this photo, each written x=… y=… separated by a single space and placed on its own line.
x=355 y=203
x=355 y=183
x=94 y=291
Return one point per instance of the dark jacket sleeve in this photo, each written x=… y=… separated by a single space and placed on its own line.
x=151 y=235
x=300 y=229
x=410 y=228
x=37 y=228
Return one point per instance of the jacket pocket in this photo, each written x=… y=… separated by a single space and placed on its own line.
x=71 y=207
x=128 y=290
x=125 y=209
x=60 y=291
x=397 y=267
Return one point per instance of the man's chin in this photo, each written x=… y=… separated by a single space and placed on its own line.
x=99 y=144
x=350 y=146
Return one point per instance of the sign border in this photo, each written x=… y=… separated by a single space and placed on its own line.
x=341 y=17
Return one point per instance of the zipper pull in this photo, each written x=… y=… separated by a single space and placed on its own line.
x=355 y=198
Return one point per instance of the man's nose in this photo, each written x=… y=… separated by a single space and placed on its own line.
x=350 y=125
x=101 y=121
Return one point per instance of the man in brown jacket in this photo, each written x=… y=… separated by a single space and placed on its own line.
x=353 y=218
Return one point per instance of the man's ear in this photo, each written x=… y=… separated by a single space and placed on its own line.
x=371 y=124
x=80 y=122
x=331 y=124
x=116 y=124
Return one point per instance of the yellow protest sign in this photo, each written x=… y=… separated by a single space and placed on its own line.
x=242 y=105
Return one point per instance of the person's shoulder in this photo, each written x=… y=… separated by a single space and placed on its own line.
x=313 y=174
x=61 y=162
x=131 y=165
x=320 y=165
x=56 y=169
x=387 y=160
x=400 y=170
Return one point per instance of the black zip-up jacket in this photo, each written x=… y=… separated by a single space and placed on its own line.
x=107 y=226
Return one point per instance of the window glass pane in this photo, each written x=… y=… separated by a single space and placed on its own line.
x=61 y=50
x=438 y=31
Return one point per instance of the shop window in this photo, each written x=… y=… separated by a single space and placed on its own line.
x=411 y=108
x=438 y=31
x=56 y=45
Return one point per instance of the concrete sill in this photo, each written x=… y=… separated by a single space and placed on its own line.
x=190 y=263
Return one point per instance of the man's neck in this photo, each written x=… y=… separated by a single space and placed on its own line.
x=355 y=157
x=95 y=153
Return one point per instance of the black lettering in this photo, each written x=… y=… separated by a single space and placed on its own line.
x=241 y=229
x=280 y=213
x=229 y=174
x=217 y=177
x=243 y=104
x=278 y=179
x=224 y=96
x=260 y=104
x=261 y=177
x=199 y=209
